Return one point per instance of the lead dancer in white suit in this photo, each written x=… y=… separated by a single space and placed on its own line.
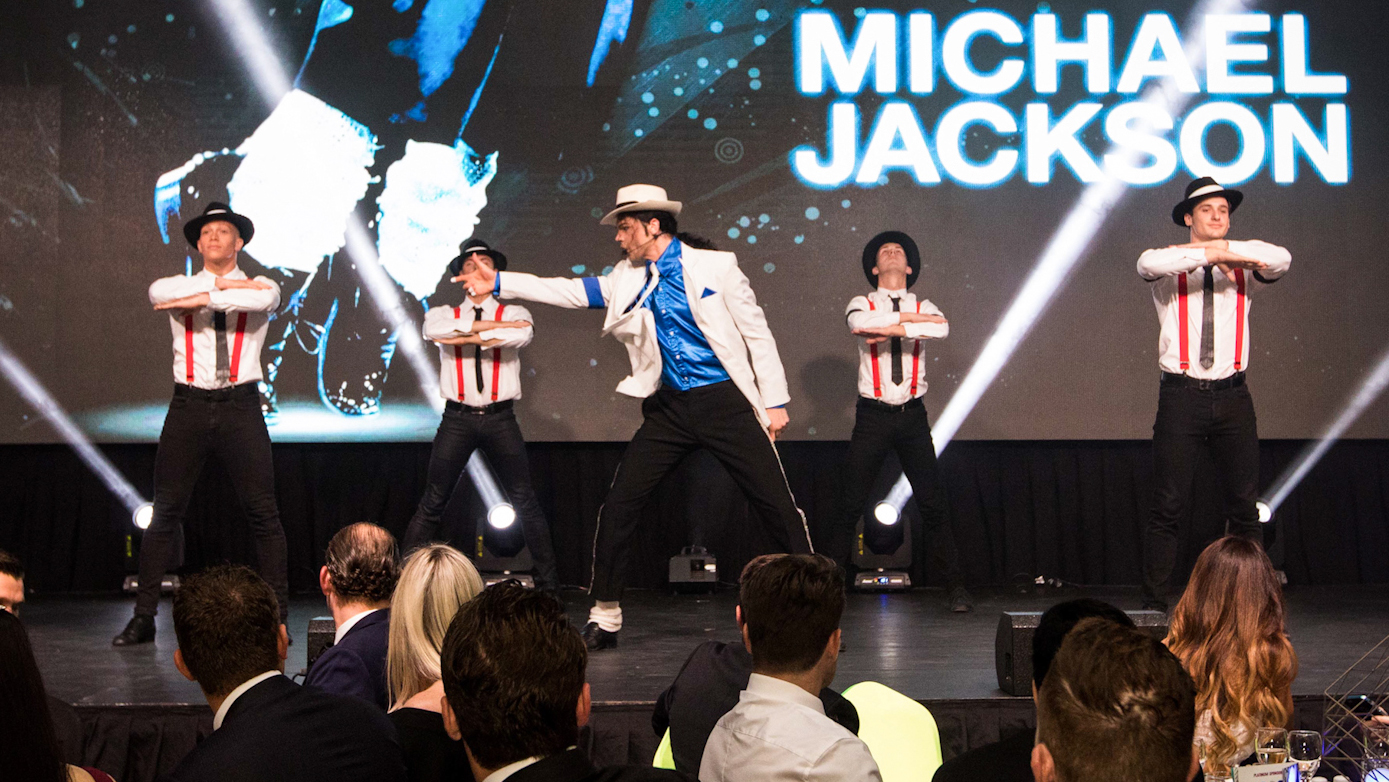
x=703 y=362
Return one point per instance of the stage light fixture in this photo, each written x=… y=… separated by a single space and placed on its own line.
x=1065 y=249
x=886 y=513
x=45 y=405
x=500 y=512
x=1370 y=389
x=143 y=515
x=501 y=516
x=1265 y=512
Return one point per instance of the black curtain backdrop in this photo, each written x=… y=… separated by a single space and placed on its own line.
x=1067 y=510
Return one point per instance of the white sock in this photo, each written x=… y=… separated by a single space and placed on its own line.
x=608 y=615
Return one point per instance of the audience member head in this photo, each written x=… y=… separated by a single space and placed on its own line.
x=228 y=627
x=1116 y=704
x=1228 y=630
x=29 y=749
x=1056 y=622
x=435 y=581
x=11 y=582
x=513 y=669
x=360 y=567
x=789 y=606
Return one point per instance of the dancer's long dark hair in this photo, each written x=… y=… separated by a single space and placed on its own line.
x=29 y=749
x=669 y=225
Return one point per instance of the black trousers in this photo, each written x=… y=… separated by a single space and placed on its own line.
x=499 y=437
x=906 y=430
x=714 y=417
x=226 y=422
x=1191 y=418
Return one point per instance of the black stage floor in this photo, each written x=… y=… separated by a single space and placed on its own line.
x=907 y=641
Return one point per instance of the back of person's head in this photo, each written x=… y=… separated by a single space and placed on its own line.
x=791 y=605
x=1228 y=630
x=29 y=748
x=1057 y=621
x=362 y=563
x=434 y=582
x=1116 y=704
x=513 y=670
x=228 y=626
x=11 y=566
x=11 y=582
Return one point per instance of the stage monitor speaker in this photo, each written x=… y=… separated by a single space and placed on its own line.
x=321 y=632
x=1013 y=645
x=694 y=568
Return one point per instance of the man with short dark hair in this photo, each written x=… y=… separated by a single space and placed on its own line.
x=514 y=691
x=705 y=365
x=265 y=728
x=219 y=319
x=789 y=610
x=1116 y=704
x=1010 y=760
x=11 y=582
x=359 y=573
x=1203 y=291
x=708 y=687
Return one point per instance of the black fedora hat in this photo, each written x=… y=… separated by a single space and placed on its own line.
x=218 y=211
x=476 y=246
x=1198 y=191
x=870 y=255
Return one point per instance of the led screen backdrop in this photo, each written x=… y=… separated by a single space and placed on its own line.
x=367 y=138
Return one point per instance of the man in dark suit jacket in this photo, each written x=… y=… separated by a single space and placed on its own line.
x=514 y=691
x=1010 y=760
x=707 y=688
x=359 y=573
x=265 y=728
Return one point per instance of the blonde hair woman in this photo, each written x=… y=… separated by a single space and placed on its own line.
x=1228 y=631
x=434 y=582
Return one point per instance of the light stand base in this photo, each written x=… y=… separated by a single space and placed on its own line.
x=168 y=587
x=882 y=581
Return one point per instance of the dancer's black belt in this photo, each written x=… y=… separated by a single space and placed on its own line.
x=495 y=407
x=914 y=404
x=250 y=389
x=1186 y=381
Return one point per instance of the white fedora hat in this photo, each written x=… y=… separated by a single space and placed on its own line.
x=641 y=198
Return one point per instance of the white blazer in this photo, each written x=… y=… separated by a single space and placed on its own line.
x=720 y=298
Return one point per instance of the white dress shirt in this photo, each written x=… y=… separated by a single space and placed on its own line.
x=511 y=768
x=247 y=316
x=343 y=628
x=237 y=693
x=501 y=363
x=1174 y=271
x=778 y=731
x=875 y=361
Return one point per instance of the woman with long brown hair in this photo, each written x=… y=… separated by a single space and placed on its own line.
x=1228 y=630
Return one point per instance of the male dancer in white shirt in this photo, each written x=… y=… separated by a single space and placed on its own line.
x=1202 y=292
x=891 y=413
x=218 y=318
x=480 y=376
x=705 y=365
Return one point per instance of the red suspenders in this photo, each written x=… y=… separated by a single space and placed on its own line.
x=916 y=355
x=873 y=351
x=188 y=346
x=1184 y=339
x=236 y=346
x=1239 y=320
x=497 y=358
x=458 y=356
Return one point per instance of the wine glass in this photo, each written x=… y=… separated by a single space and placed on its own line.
x=1304 y=749
x=1272 y=745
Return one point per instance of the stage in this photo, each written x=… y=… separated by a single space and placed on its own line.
x=139 y=715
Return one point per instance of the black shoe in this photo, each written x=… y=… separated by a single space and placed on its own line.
x=960 y=601
x=139 y=630
x=598 y=639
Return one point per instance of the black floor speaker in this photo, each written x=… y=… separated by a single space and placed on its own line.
x=1013 y=645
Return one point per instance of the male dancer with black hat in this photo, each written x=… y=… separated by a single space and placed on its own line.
x=1202 y=291
x=219 y=318
x=703 y=362
x=891 y=413
x=480 y=376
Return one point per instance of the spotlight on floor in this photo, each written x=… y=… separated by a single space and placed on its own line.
x=143 y=515
x=886 y=513
x=501 y=516
x=1265 y=512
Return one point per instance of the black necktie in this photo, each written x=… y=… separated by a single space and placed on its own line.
x=477 y=353
x=896 y=349
x=219 y=322
x=1208 y=319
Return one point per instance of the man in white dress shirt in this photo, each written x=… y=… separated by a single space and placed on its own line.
x=219 y=319
x=891 y=413
x=480 y=376
x=789 y=606
x=1202 y=291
